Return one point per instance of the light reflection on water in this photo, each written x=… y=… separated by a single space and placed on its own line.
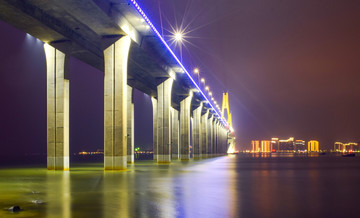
x=232 y=186
x=190 y=189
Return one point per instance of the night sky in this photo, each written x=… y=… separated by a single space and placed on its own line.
x=291 y=68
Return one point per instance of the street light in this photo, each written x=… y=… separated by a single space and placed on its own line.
x=210 y=93
x=178 y=36
x=207 y=88
x=203 y=80
x=197 y=71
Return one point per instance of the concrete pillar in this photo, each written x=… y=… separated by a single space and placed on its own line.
x=57 y=109
x=175 y=135
x=163 y=121
x=130 y=125
x=220 y=139
x=204 y=134
x=210 y=135
x=115 y=104
x=185 y=116
x=196 y=131
x=215 y=137
x=155 y=129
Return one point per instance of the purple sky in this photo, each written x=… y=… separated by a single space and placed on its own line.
x=291 y=67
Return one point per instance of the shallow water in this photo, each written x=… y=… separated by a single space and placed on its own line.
x=232 y=186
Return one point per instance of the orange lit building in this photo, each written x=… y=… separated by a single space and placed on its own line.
x=255 y=145
x=266 y=146
x=313 y=146
x=346 y=147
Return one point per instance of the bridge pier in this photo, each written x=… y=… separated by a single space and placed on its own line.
x=215 y=137
x=218 y=126
x=163 y=121
x=196 y=131
x=115 y=104
x=185 y=117
x=204 y=134
x=155 y=129
x=210 y=135
x=175 y=134
x=130 y=125
x=57 y=109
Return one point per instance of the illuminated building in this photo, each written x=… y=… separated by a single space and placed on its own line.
x=97 y=152
x=300 y=145
x=266 y=146
x=255 y=146
x=345 y=147
x=275 y=144
x=287 y=144
x=313 y=146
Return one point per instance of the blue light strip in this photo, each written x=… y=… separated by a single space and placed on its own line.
x=136 y=5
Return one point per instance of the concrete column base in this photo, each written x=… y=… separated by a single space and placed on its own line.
x=163 y=159
x=115 y=162
x=185 y=157
x=130 y=159
x=197 y=156
x=58 y=163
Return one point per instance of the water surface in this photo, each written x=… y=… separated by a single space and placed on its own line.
x=232 y=186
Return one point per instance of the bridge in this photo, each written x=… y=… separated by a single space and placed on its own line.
x=116 y=37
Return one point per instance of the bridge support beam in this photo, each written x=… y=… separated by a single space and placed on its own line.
x=221 y=139
x=115 y=104
x=185 y=116
x=57 y=109
x=216 y=128
x=218 y=137
x=130 y=125
x=175 y=134
x=196 y=131
x=204 y=134
x=163 y=121
x=210 y=135
x=214 y=139
x=155 y=129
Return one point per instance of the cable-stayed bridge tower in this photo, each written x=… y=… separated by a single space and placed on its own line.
x=231 y=134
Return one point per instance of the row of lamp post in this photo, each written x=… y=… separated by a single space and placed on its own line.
x=207 y=88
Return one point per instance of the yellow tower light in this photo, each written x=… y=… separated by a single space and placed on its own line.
x=225 y=105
